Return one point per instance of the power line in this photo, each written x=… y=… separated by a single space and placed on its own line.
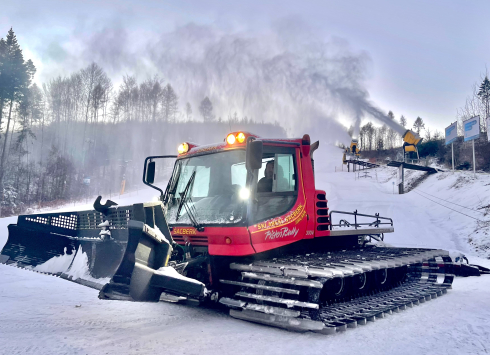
x=464 y=214
x=450 y=201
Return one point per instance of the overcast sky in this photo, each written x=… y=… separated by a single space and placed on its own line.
x=423 y=56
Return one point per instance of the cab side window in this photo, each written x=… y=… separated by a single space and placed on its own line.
x=277 y=185
x=284 y=176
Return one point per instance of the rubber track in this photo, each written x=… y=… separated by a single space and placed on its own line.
x=429 y=275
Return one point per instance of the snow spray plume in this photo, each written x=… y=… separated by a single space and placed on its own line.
x=304 y=83
x=287 y=74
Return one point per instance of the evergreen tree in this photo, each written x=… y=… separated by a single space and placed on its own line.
x=206 y=110
x=418 y=125
x=3 y=76
x=16 y=76
x=484 y=95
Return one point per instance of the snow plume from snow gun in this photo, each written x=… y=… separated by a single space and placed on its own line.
x=376 y=113
x=286 y=75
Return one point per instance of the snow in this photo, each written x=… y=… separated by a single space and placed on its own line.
x=74 y=265
x=79 y=269
x=57 y=264
x=47 y=315
x=171 y=272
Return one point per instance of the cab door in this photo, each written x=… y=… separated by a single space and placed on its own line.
x=278 y=215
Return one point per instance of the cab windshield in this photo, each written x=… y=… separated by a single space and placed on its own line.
x=209 y=189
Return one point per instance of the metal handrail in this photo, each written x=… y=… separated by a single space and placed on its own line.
x=344 y=223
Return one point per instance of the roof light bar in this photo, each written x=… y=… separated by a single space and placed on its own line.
x=236 y=137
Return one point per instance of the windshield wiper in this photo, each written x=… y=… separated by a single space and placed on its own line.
x=183 y=194
x=191 y=215
x=172 y=184
x=184 y=202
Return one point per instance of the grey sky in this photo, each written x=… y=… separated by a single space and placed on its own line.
x=424 y=55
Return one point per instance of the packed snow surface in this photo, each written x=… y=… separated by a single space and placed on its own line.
x=47 y=315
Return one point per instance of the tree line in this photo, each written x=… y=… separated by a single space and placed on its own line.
x=382 y=142
x=79 y=135
x=374 y=138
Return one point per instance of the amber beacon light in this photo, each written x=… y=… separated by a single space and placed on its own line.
x=183 y=148
x=235 y=137
x=230 y=139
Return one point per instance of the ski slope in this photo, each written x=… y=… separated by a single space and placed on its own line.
x=47 y=315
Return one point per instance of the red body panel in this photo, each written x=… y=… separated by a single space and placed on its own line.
x=282 y=230
x=215 y=239
x=300 y=222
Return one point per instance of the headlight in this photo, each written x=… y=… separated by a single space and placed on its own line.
x=244 y=193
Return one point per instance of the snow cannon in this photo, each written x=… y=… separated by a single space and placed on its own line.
x=352 y=151
x=354 y=147
x=411 y=140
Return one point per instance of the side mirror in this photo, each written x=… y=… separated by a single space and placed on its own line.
x=150 y=173
x=254 y=155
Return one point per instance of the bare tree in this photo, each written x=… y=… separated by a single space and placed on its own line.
x=428 y=134
x=91 y=77
x=391 y=134
x=206 y=110
x=170 y=103
x=188 y=112
x=403 y=121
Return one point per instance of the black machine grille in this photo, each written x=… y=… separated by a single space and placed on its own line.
x=84 y=220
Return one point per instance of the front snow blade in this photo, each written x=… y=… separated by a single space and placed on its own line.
x=143 y=274
x=86 y=247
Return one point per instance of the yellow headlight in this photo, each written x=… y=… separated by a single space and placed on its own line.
x=240 y=137
x=183 y=148
x=230 y=139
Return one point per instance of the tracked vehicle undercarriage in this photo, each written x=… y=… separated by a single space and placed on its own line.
x=328 y=292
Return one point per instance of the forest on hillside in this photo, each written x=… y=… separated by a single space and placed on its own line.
x=78 y=136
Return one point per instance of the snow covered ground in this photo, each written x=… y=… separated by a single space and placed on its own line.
x=47 y=315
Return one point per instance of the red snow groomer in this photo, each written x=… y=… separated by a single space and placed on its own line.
x=240 y=223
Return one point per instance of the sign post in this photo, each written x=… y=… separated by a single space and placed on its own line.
x=474 y=170
x=451 y=136
x=400 y=179
x=472 y=132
